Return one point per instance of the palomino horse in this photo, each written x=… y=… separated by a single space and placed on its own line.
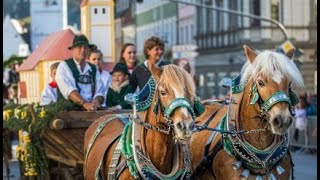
x=253 y=141
x=154 y=143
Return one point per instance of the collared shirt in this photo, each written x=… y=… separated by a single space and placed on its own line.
x=146 y=62
x=49 y=95
x=106 y=79
x=67 y=83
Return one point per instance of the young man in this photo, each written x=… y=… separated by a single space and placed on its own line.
x=79 y=81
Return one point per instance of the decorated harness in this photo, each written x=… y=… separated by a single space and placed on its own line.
x=253 y=160
x=130 y=146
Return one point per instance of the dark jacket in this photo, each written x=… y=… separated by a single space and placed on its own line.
x=115 y=98
x=140 y=76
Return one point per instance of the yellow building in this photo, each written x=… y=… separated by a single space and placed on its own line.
x=97 y=23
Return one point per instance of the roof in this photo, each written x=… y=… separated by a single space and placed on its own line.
x=53 y=47
x=83 y=3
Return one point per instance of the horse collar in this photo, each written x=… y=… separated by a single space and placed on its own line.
x=144 y=165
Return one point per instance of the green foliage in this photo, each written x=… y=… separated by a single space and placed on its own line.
x=31 y=120
x=12 y=59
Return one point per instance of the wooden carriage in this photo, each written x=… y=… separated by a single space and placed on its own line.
x=64 y=141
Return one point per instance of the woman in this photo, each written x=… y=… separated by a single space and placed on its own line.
x=95 y=57
x=128 y=56
x=153 y=51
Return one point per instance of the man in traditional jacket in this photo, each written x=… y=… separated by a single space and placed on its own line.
x=78 y=80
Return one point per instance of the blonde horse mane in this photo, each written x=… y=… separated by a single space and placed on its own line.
x=177 y=78
x=272 y=65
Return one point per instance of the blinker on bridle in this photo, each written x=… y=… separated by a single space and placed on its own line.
x=143 y=101
x=275 y=98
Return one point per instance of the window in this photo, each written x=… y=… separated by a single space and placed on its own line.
x=275 y=10
x=187 y=34
x=95 y=10
x=255 y=9
x=103 y=10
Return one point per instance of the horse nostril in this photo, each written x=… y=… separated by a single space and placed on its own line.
x=277 y=122
x=180 y=125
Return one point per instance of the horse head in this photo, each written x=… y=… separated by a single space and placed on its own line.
x=174 y=99
x=270 y=76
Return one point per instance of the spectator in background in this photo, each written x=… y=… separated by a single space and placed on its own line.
x=311 y=104
x=153 y=51
x=11 y=79
x=49 y=94
x=119 y=88
x=301 y=117
x=128 y=56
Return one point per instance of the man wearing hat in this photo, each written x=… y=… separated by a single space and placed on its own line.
x=118 y=88
x=79 y=81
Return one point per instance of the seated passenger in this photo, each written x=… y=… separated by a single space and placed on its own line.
x=118 y=88
x=153 y=51
x=95 y=57
x=79 y=81
x=49 y=94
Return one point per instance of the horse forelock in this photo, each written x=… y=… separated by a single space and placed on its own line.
x=179 y=81
x=272 y=65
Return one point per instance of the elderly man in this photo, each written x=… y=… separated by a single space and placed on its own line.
x=78 y=80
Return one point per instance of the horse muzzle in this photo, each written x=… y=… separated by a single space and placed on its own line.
x=184 y=129
x=280 y=124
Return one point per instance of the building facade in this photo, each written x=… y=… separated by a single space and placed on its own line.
x=13 y=41
x=220 y=38
x=97 y=23
x=156 y=18
x=46 y=17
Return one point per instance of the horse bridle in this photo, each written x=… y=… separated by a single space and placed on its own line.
x=132 y=99
x=279 y=96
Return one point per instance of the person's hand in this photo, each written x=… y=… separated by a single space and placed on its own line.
x=97 y=103
x=90 y=106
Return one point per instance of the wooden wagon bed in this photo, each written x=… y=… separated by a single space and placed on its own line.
x=64 y=140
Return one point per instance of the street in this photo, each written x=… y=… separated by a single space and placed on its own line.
x=305 y=166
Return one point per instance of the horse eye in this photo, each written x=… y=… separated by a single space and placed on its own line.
x=261 y=83
x=163 y=93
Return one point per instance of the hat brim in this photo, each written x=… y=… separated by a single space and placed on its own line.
x=120 y=71
x=81 y=44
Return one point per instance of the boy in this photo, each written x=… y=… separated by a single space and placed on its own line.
x=118 y=88
x=49 y=94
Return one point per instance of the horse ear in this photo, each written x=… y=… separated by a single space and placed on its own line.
x=290 y=53
x=155 y=70
x=250 y=54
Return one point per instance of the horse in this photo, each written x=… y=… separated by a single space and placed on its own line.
x=245 y=137
x=153 y=144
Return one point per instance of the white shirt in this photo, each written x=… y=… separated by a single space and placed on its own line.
x=6 y=77
x=48 y=95
x=301 y=118
x=67 y=83
x=106 y=79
